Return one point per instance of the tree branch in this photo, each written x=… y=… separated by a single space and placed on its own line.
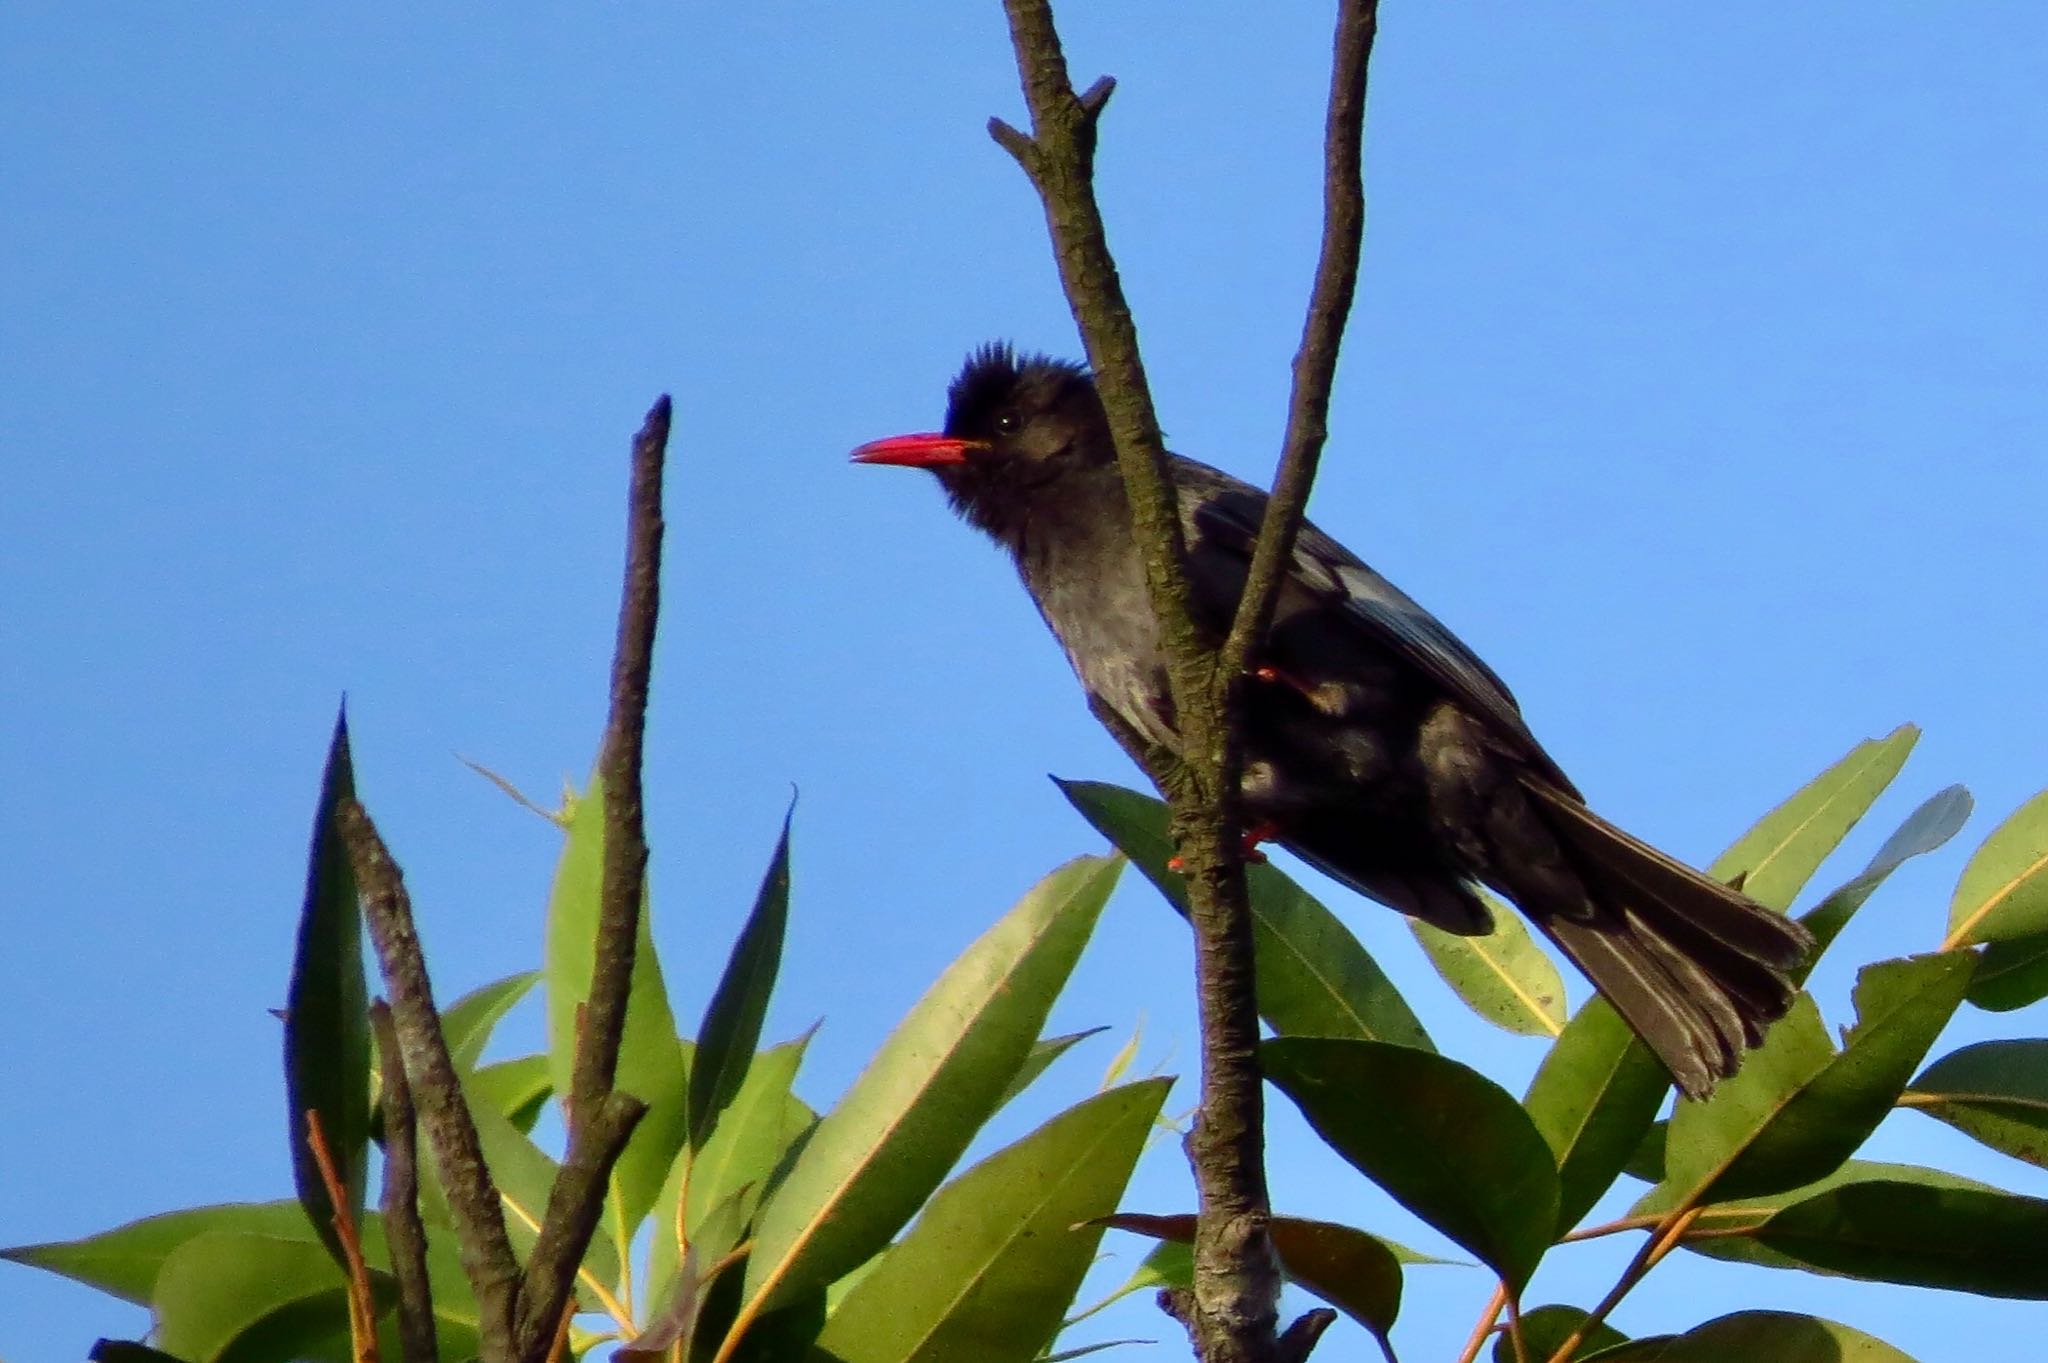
x=1329 y=306
x=600 y=1119
x=486 y=1253
x=403 y=1232
x=1231 y=1310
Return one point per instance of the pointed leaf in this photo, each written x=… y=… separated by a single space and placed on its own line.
x=1314 y=978
x=1723 y=1221
x=652 y=1066
x=1042 y=1054
x=470 y=1020
x=1940 y=817
x=994 y=1259
x=2011 y=974
x=1594 y=1098
x=1796 y=1111
x=1996 y=1091
x=518 y=1088
x=890 y=1140
x=125 y=1260
x=1777 y=857
x=1760 y=1337
x=327 y=1014
x=732 y=1020
x=1353 y=1270
x=1178 y=1228
x=1504 y=976
x=228 y=1295
x=1448 y=1143
x=2003 y=893
x=747 y=1143
x=1965 y=1239
x=1545 y=1329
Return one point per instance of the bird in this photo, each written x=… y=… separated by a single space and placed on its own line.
x=1377 y=746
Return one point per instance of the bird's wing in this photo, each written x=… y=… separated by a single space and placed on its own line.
x=1223 y=517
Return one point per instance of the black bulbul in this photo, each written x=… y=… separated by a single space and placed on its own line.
x=1377 y=746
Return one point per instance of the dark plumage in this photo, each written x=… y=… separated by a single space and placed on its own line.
x=1377 y=746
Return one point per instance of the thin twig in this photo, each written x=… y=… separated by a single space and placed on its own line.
x=1520 y=1345
x=1487 y=1316
x=1673 y=1228
x=403 y=1231
x=602 y=1120
x=486 y=1253
x=1329 y=306
x=362 y=1311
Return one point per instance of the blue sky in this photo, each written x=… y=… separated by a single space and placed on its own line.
x=1695 y=380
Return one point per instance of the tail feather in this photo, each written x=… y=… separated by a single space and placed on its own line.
x=1696 y=967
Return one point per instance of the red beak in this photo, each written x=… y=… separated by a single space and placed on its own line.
x=918 y=451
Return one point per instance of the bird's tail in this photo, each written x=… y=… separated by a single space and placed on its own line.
x=1696 y=967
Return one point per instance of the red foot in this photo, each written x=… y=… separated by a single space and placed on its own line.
x=1248 y=849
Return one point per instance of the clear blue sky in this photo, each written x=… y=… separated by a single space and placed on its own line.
x=1696 y=380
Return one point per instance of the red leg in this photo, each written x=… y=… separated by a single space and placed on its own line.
x=1262 y=831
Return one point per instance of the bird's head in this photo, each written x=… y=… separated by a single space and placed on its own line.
x=1017 y=428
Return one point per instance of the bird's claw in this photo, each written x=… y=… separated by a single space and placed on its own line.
x=1248 y=849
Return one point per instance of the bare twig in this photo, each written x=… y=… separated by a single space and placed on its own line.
x=600 y=1119
x=362 y=1309
x=400 y=1202
x=485 y=1251
x=1666 y=1238
x=1488 y=1315
x=1315 y=364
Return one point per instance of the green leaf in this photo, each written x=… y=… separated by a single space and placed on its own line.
x=1545 y=1329
x=1940 y=817
x=747 y=1142
x=1594 y=1098
x=327 y=1014
x=1780 y=854
x=1313 y=976
x=470 y=1020
x=236 y=1296
x=2011 y=974
x=1449 y=1144
x=518 y=1088
x=1760 y=1337
x=652 y=1066
x=1996 y=1091
x=732 y=1020
x=1796 y=1110
x=1967 y=1239
x=1355 y=1271
x=1725 y=1223
x=1042 y=1054
x=2003 y=893
x=1504 y=976
x=124 y=1261
x=999 y=1252
x=890 y=1140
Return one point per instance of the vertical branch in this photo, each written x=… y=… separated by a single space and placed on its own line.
x=400 y=1202
x=601 y=1119
x=1230 y=1312
x=486 y=1253
x=1322 y=332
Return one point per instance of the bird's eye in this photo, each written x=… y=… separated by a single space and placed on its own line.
x=1007 y=423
